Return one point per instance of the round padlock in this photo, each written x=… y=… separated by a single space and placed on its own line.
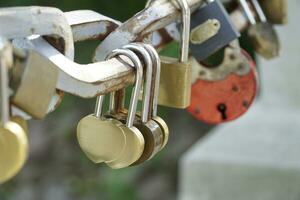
x=219 y=101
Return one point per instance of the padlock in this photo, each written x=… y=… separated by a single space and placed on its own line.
x=224 y=92
x=101 y=139
x=37 y=95
x=154 y=98
x=154 y=129
x=135 y=140
x=262 y=34
x=155 y=137
x=175 y=81
x=150 y=131
x=13 y=136
x=122 y=145
x=276 y=10
x=221 y=28
x=29 y=85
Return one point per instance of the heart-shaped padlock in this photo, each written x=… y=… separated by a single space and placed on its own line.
x=105 y=139
x=13 y=150
x=227 y=97
x=13 y=136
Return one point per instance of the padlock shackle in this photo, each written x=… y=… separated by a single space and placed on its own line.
x=140 y=49
x=185 y=32
x=155 y=79
x=138 y=81
x=261 y=15
x=248 y=12
x=5 y=61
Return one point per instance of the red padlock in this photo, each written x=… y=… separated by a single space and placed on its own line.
x=224 y=93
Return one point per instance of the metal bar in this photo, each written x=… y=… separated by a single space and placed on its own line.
x=22 y=22
x=91 y=80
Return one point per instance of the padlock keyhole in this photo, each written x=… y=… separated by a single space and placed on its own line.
x=222 y=108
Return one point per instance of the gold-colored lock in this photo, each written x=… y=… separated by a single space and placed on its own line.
x=105 y=139
x=13 y=136
x=205 y=31
x=135 y=142
x=262 y=33
x=154 y=98
x=265 y=40
x=29 y=86
x=175 y=81
x=276 y=10
x=151 y=130
x=101 y=138
x=13 y=150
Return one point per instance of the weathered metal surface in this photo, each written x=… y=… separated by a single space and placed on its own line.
x=158 y=15
x=84 y=80
x=90 y=81
x=90 y=25
x=50 y=23
x=234 y=62
x=217 y=102
x=21 y=22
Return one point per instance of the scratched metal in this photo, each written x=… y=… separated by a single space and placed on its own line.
x=21 y=22
x=158 y=15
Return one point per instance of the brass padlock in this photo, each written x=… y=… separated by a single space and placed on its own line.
x=262 y=33
x=105 y=139
x=101 y=139
x=153 y=134
x=38 y=78
x=13 y=136
x=175 y=81
x=276 y=10
x=33 y=81
x=154 y=98
x=135 y=142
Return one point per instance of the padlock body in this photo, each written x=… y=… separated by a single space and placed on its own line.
x=152 y=133
x=102 y=140
x=265 y=40
x=153 y=137
x=165 y=129
x=175 y=84
x=135 y=144
x=36 y=87
x=13 y=150
x=225 y=35
x=275 y=10
x=216 y=102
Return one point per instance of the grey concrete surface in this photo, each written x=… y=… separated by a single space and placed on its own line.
x=256 y=157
